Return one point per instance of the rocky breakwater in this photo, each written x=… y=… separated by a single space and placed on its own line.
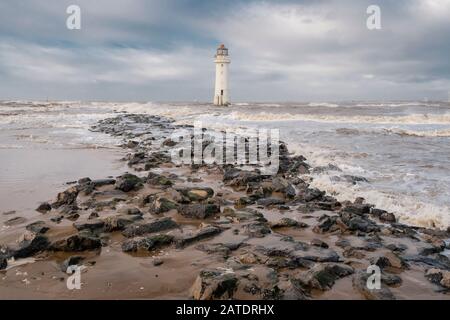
x=248 y=235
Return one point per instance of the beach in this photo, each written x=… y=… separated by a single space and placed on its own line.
x=370 y=190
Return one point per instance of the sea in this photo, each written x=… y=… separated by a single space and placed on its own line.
x=400 y=148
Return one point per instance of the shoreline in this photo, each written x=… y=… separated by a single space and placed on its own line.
x=193 y=231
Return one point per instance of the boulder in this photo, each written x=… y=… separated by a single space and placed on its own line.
x=79 y=242
x=161 y=205
x=67 y=197
x=158 y=180
x=319 y=243
x=28 y=248
x=3 y=262
x=439 y=277
x=196 y=194
x=155 y=225
x=389 y=259
x=119 y=222
x=203 y=233
x=199 y=211
x=214 y=284
x=323 y=275
x=128 y=182
x=92 y=225
x=288 y=222
x=147 y=243
x=266 y=202
x=44 y=207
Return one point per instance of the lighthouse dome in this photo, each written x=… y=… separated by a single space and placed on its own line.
x=222 y=51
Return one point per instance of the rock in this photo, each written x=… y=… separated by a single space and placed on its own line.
x=319 y=243
x=155 y=225
x=44 y=207
x=323 y=276
x=439 y=277
x=102 y=182
x=71 y=261
x=157 y=179
x=389 y=259
x=256 y=229
x=79 y=242
x=213 y=284
x=119 y=222
x=280 y=185
x=8 y=213
x=239 y=179
x=30 y=247
x=57 y=219
x=91 y=225
x=130 y=211
x=288 y=222
x=196 y=194
x=360 y=285
x=309 y=194
x=128 y=182
x=161 y=205
x=197 y=235
x=38 y=227
x=85 y=180
x=328 y=224
x=147 y=243
x=390 y=279
x=199 y=211
x=3 y=262
x=266 y=202
x=439 y=262
x=360 y=224
x=387 y=217
x=397 y=247
x=14 y=221
x=93 y=215
x=357 y=208
x=157 y=262
x=169 y=143
x=67 y=197
x=354 y=179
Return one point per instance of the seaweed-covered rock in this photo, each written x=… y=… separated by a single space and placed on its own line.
x=196 y=194
x=128 y=182
x=161 y=205
x=67 y=197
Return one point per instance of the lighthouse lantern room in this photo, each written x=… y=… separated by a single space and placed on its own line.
x=222 y=60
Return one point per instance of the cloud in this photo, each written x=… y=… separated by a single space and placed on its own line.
x=280 y=50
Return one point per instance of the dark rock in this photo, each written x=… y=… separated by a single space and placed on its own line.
x=103 y=182
x=357 y=208
x=44 y=207
x=256 y=229
x=360 y=285
x=57 y=219
x=327 y=225
x=28 y=248
x=156 y=225
x=397 y=247
x=157 y=179
x=128 y=182
x=389 y=259
x=38 y=227
x=438 y=262
x=14 y=221
x=93 y=215
x=266 y=202
x=196 y=194
x=91 y=225
x=391 y=279
x=199 y=211
x=213 y=284
x=147 y=243
x=319 y=243
x=3 y=262
x=120 y=222
x=309 y=194
x=387 y=217
x=79 y=242
x=323 y=276
x=288 y=222
x=67 y=197
x=161 y=205
x=86 y=180
x=71 y=261
x=198 y=235
x=214 y=248
x=354 y=179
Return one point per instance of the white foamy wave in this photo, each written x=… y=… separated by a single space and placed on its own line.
x=323 y=104
x=409 y=119
x=408 y=209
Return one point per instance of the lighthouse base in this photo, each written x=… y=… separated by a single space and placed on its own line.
x=220 y=101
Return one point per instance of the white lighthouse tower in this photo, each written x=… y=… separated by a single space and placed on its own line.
x=221 y=94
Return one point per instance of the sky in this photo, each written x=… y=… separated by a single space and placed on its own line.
x=163 y=50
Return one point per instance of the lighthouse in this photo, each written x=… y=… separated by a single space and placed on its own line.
x=221 y=94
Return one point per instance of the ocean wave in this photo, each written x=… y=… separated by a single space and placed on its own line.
x=409 y=119
x=323 y=104
x=407 y=208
